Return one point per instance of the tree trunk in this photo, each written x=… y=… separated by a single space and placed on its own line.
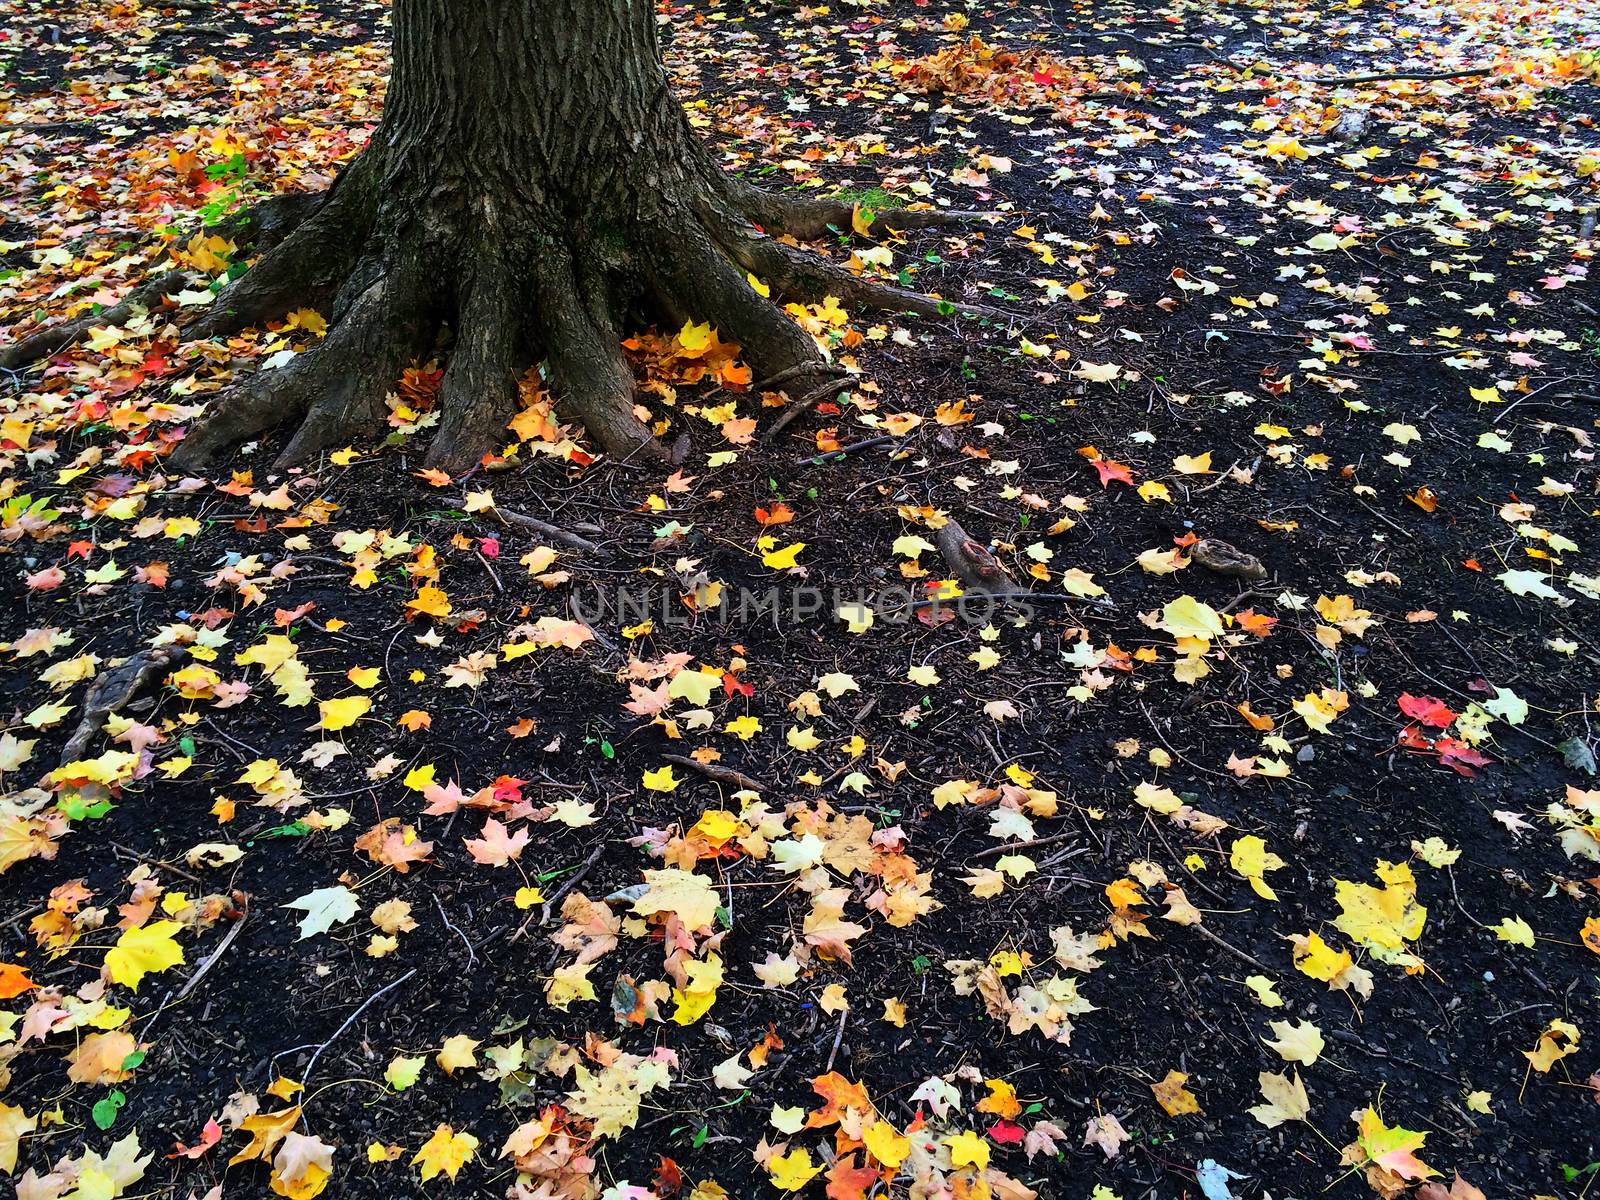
x=532 y=182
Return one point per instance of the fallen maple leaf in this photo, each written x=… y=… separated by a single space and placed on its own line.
x=497 y=847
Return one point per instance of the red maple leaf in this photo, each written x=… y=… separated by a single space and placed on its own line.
x=846 y=1181
x=1427 y=709
x=1460 y=757
x=1113 y=472
x=1005 y=1133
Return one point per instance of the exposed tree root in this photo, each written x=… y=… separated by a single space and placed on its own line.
x=585 y=357
x=1384 y=76
x=807 y=218
x=313 y=258
x=259 y=228
x=263 y=225
x=58 y=337
x=479 y=392
x=335 y=390
x=797 y=274
x=391 y=272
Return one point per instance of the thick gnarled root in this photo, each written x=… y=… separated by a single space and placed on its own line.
x=479 y=393
x=335 y=391
x=515 y=298
x=808 y=218
x=689 y=271
x=56 y=338
x=262 y=228
x=309 y=262
x=594 y=383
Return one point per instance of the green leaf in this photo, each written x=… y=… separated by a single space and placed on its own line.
x=106 y=1108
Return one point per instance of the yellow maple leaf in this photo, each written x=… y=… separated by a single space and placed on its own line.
x=886 y=1144
x=1559 y=1039
x=1001 y=1101
x=1253 y=860
x=343 y=712
x=403 y=1071
x=690 y=896
x=1173 y=1096
x=1383 y=919
x=661 y=780
x=1321 y=961
x=266 y=1130
x=1188 y=617
x=148 y=950
x=694 y=340
x=420 y=777
x=782 y=560
x=14 y=1122
x=792 y=1171
x=446 y=1152
x=430 y=601
x=569 y=983
x=967 y=1149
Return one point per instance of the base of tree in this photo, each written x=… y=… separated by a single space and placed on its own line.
x=515 y=290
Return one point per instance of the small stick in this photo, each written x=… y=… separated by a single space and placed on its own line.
x=157 y=863
x=839 y=455
x=838 y=1036
x=1400 y=529
x=472 y=956
x=572 y=881
x=997 y=851
x=169 y=999
x=489 y=567
x=523 y=521
x=222 y=946
x=1220 y=479
x=1473 y=73
x=1216 y=940
x=725 y=775
x=1247 y=594
x=351 y=1020
x=802 y=406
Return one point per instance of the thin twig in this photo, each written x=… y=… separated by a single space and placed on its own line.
x=996 y=851
x=1381 y=76
x=838 y=1036
x=572 y=881
x=554 y=532
x=725 y=775
x=802 y=406
x=1217 y=940
x=489 y=567
x=1400 y=529
x=843 y=452
x=351 y=1020
x=155 y=862
x=211 y=959
x=1247 y=594
x=472 y=956
x=169 y=999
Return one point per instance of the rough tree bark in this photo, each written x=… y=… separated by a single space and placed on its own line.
x=532 y=183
